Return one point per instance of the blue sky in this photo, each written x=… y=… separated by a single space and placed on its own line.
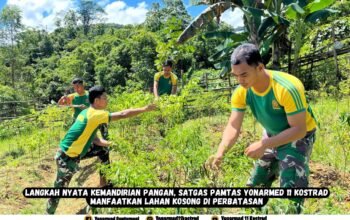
x=192 y=10
x=42 y=13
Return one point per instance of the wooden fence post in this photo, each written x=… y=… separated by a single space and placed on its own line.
x=338 y=75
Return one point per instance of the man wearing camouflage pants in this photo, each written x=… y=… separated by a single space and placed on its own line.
x=81 y=142
x=278 y=102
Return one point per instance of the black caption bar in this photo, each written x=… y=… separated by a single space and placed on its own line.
x=176 y=197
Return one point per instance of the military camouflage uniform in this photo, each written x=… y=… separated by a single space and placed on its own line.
x=290 y=162
x=284 y=97
x=77 y=145
x=67 y=167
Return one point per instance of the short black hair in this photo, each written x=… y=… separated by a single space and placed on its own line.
x=77 y=81
x=95 y=92
x=168 y=63
x=246 y=53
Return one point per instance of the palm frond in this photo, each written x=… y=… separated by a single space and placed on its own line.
x=204 y=18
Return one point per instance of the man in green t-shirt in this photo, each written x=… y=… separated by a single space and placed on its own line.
x=277 y=101
x=165 y=82
x=81 y=142
x=78 y=100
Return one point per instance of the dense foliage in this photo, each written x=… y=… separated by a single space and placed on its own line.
x=39 y=65
x=167 y=147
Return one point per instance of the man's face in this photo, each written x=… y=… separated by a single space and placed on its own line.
x=103 y=101
x=166 y=69
x=245 y=74
x=79 y=88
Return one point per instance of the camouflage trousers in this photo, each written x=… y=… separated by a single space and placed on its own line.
x=67 y=167
x=290 y=162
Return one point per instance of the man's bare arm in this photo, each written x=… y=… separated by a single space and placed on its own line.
x=173 y=89
x=128 y=113
x=101 y=142
x=296 y=131
x=155 y=89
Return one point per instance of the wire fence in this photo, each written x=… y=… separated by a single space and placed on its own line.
x=10 y=109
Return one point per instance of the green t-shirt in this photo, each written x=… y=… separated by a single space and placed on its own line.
x=165 y=84
x=76 y=99
x=80 y=135
x=285 y=96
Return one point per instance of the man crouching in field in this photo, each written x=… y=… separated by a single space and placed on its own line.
x=81 y=142
x=278 y=102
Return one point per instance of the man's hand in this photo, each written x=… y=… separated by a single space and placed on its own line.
x=64 y=100
x=151 y=107
x=214 y=162
x=105 y=143
x=255 y=150
x=101 y=142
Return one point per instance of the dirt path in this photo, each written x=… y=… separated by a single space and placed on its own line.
x=326 y=176
x=15 y=179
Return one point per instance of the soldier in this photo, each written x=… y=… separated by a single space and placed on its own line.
x=165 y=82
x=78 y=100
x=80 y=142
x=278 y=102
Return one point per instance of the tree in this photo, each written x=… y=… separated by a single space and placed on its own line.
x=182 y=55
x=176 y=8
x=46 y=46
x=153 y=20
x=143 y=54
x=252 y=20
x=301 y=14
x=71 y=24
x=10 y=23
x=110 y=74
x=88 y=11
x=157 y=17
x=267 y=23
x=30 y=44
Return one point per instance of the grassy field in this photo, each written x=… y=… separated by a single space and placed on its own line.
x=165 y=149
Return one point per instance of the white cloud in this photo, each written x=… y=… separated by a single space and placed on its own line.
x=118 y=12
x=234 y=18
x=41 y=13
